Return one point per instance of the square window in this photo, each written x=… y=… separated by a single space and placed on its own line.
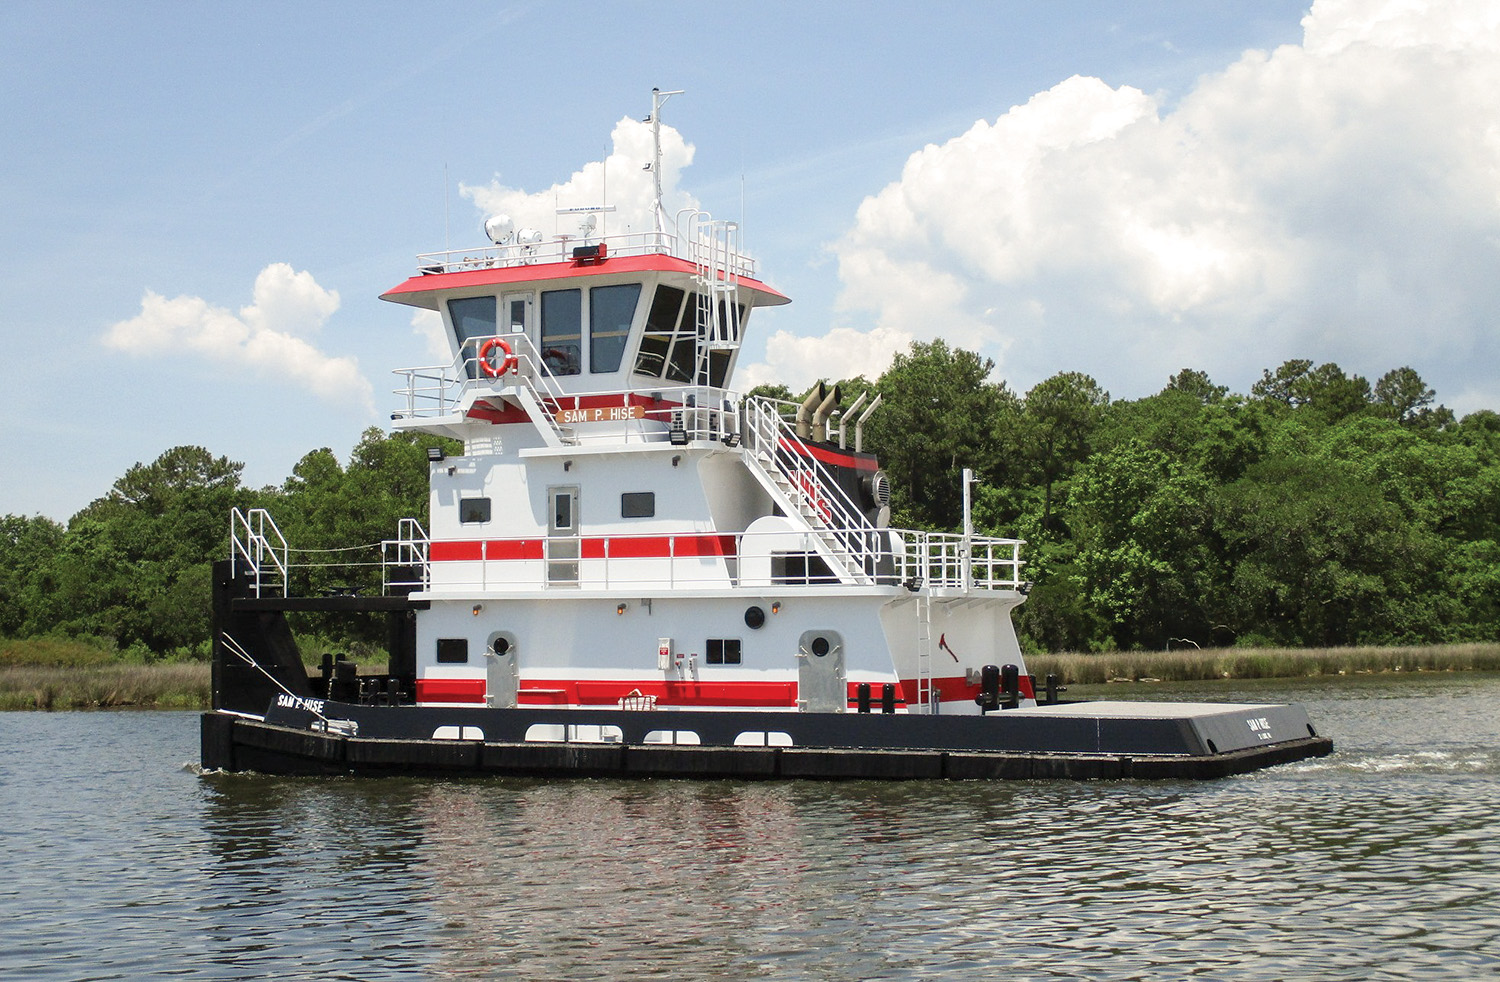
x=638 y=504
x=453 y=651
x=723 y=651
x=474 y=510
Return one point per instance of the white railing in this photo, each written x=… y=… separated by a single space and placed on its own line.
x=560 y=249
x=257 y=547
x=404 y=556
x=818 y=497
x=441 y=390
x=949 y=561
x=705 y=560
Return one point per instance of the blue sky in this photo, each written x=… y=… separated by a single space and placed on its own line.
x=185 y=151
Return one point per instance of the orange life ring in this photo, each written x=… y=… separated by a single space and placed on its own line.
x=507 y=364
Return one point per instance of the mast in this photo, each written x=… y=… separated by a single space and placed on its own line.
x=658 y=99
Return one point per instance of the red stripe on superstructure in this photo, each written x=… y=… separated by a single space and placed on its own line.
x=506 y=413
x=448 y=552
x=450 y=690
x=835 y=457
x=542 y=272
x=490 y=413
x=471 y=551
x=593 y=547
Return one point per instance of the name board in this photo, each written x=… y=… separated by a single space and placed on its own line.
x=602 y=414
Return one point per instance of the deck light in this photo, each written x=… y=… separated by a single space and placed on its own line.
x=620 y=609
x=436 y=454
x=477 y=609
x=776 y=607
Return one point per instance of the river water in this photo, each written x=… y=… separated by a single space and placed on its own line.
x=1380 y=862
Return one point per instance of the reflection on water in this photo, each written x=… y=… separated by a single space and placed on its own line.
x=1378 y=862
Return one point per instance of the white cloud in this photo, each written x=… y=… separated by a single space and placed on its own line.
x=619 y=180
x=1338 y=199
x=428 y=325
x=268 y=337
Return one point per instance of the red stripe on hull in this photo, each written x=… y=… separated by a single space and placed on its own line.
x=450 y=690
x=743 y=695
x=717 y=694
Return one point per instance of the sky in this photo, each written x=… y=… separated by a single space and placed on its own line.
x=201 y=203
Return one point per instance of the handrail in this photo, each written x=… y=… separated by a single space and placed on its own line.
x=411 y=548
x=919 y=561
x=773 y=440
x=560 y=249
x=256 y=549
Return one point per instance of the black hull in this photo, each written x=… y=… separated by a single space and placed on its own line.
x=1160 y=743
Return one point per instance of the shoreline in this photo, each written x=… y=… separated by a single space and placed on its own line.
x=108 y=684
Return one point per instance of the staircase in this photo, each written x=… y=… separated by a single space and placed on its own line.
x=848 y=542
x=533 y=386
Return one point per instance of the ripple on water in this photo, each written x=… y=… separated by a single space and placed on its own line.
x=1377 y=862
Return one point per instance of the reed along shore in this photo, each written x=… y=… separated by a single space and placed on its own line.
x=50 y=674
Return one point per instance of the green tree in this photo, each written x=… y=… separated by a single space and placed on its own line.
x=1145 y=560
x=1058 y=422
x=936 y=419
x=27 y=545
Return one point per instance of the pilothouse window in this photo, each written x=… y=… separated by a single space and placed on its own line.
x=562 y=331
x=661 y=324
x=473 y=317
x=611 y=311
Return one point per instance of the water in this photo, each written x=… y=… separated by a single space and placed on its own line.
x=1381 y=862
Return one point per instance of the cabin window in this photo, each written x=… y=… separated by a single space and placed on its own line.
x=452 y=651
x=638 y=504
x=562 y=331
x=661 y=324
x=473 y=317
x=611 y=311
x=723 y=651
x=800 y=567
x=474 y=510
x=718 y=361
x=682 y=363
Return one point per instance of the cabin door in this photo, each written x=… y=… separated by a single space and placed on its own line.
x=502 y=674
x=821 y=685
x=515 y=317
x=562 y=536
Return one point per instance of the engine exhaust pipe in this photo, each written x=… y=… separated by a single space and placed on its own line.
x=805 y=411
x=821 y=414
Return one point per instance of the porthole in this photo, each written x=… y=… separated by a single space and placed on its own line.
x=819 y=646
x=755 y=618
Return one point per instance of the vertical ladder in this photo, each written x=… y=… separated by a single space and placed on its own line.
x=924 y=652
x=715 y=252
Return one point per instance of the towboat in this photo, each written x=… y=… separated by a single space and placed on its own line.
x=633 y=570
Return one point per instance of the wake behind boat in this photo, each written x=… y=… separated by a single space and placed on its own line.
x=633 y=570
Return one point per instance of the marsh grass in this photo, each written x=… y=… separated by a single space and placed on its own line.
x=181 y=685
x=1261 y=663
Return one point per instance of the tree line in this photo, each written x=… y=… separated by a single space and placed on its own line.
x=1319 y=509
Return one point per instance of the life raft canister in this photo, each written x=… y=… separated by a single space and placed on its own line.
x=507 y=364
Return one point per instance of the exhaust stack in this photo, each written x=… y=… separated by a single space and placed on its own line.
x=805 y=411
x=820 y=416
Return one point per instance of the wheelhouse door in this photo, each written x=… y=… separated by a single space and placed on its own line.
x=516 y=315
x=562 y=536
